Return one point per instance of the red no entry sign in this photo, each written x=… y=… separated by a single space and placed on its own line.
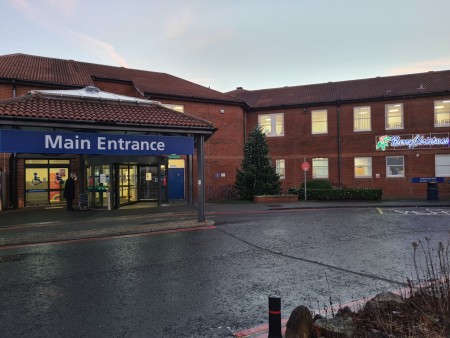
x=305 y=166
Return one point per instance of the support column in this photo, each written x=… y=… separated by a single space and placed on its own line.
x=201 y=178
x=190 y=180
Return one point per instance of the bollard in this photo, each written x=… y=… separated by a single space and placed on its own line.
x=274 y=317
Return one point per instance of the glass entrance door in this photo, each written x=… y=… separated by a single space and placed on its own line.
x=44 y=181
x=148 y=183
x=98 y=183
x=127 y=183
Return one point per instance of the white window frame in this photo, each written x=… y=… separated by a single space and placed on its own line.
x=367 y=165
x=361 y=114
x=395 y=170
x=442 y=113
x=280 y=167
x=272 y=125
x=442 y=165
x=394 y=112
x=319 y=121
x=320 y=167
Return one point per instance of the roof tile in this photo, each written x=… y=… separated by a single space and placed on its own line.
x=436 y=82
x=80 y=74
x=36 y=105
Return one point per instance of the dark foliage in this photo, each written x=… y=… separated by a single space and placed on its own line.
x=257 y=175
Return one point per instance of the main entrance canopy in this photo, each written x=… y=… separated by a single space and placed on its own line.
x=88 y=122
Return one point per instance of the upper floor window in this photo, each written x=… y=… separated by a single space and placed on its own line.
x=394 y=116
x=281 y=168
x=361 y=119
x=272 y=124
x=320 y=168
x=395 y=166
x=319 y=122
x=363 y=166
x=442 y=113
x=177 y=107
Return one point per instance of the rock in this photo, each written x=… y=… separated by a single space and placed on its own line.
x=385 y=300
x=300 y=323
x=337 y=327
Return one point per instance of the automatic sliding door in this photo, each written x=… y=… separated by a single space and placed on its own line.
x=148 y=183
x=98 y=184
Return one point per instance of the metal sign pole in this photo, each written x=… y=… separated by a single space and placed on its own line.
x=304 y=177
x=304 y=180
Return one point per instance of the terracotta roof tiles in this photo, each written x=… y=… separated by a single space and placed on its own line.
x=437 y=82
x=25 y=67
x=39 y=106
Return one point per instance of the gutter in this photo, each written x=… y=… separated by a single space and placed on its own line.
x=338 y=114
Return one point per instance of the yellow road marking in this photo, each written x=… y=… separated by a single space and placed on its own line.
x=380 y=211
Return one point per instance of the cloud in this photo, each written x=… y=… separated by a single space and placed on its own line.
x=25 y=7
x=177 y=25
x=42 y=11
x=200 y=42
x=420 y=67
x=105 y=52
x=65 y=7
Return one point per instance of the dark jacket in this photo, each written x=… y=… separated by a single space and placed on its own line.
x=69 y=188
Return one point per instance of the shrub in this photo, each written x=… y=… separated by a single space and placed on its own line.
x=317 y=184
x=338 y=194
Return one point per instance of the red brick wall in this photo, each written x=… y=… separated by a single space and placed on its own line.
x=223 y=151
x=118 y=88
x=298 y=143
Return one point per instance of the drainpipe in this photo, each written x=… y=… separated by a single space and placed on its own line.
x=339 y=142
x=14 y=88
x=245 y=126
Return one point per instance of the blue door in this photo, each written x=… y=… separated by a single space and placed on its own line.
x=176 y=183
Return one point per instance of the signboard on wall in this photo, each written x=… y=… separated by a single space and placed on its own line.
x=427 y=180
x=41 y=142
x=412 y=141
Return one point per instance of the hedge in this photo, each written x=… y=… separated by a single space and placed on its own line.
x=338 y=194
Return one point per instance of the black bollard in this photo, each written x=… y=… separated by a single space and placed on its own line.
x=274 y=317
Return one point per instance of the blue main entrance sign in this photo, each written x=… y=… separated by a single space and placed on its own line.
x=40 y=142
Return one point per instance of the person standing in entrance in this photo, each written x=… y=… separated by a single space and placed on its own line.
x=69 y=191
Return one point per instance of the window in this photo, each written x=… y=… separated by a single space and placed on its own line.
x=177 y=107
x=272 y=124
x=442 y=113
x=320 y=167
x=394 y=116
x=395 y=166
x=361 y=119
x=319 y=122
x=442 y=165
x=363 y=167
x=281 y=169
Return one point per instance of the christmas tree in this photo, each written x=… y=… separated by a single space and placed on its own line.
x=257 y=175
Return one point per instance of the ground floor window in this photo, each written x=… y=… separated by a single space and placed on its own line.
x=44 y=181
x=442 y=165
x=281 y=168
x=395 y=166
x=320 y=167
x=363 y=167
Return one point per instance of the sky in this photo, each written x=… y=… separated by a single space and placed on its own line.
x=224 y=44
